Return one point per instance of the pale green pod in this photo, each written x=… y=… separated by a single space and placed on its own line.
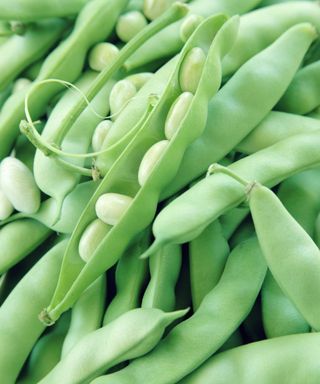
x=86 y=314
x=18 y=184
x=155 y=8
x=21 y=83
x=102 y=55
x=100 y=133
x=111 y=206
x=120 y=95
x=6 y=208
x=150 y=160
x=189 y=25
x=177 y=113
x=91 y=238
x=131 y=335
x=191 y=70
x=129 y=25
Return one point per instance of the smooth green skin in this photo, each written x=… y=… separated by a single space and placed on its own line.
x=121 y=340
x=280 y=316
x=168 y=41
x=18 y=239
x=77 y=140
x=70 y=211
x=18 y=52
x=46 y=353
x=86 y=315
x=75 y=275
x=244 y=101
x=302 y=95
x=65 y=62
x=317 y=230
x=194 y=340
x=290 y=359
x=274 y=127
x=242 y=233
x=187 y=216
x=231 y=220
x=262 y=27
x=235 y=340
x=266 y=3
x=292 y=256
x=33 y=71
x=164 y=268
x=208 y=254
x=19 y=323
x=5 y=94
x=130 y=277
x=135 y=5
x=32 y=10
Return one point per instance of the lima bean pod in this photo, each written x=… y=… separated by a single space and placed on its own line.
x=269 y=361
x=290 y=252
x=268 y=73
x=219 y=315
x=130 y=277
x=302 y=95
x=13 y=249
x=65 y=62
x=168 y=40
x=274 y=127
x=231 y=220
x=216 y=194
x=263 y=26
x=164 y=268
x=86 y=315
x=22 y=307
x=208 y=255
x=18 y=52
x=120 y=340
x=31 y=11
x=75 y=276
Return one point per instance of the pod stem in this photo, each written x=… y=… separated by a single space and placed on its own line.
x=218 y=168
x=45 y=318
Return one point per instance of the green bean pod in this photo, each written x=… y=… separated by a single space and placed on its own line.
x=21 y=308
x=86 y=314
x=194 y=340
x=276 y=126
x=215 y=195
x=208 y=255
x=30 y=10
x=290 y=252
x=13 y=249
x=302 y=95
x=277 y=360
x=46 y=353
x=236 y=109
x=130 y=277
x=216 y=41
x=121 y=340
x=280 y=316
x=164 y=268
x=262 y=27
x=65 y=62
x=18 y=52
x=231 y=221
x=47 y=170
x=168 y=40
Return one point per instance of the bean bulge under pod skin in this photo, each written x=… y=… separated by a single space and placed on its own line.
x=131 y=335
x=288 y=359
x=292 y=256
x=18 y=184
x=194 y=340
x=19 y=323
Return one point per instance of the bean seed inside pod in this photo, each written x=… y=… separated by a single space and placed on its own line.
x=110 y=207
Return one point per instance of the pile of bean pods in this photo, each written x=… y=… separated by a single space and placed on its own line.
x=159 y=192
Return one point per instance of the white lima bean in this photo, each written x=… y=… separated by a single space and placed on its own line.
x=18 y=185
x=91 y=238
x=110 y=207
x=130 y=24
x=189 y=25
x=100 y=133
x=155 y=8
x=122 y=92
x=191 y=70
x=177 y=113
x=102 y=55
x=150 y=159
